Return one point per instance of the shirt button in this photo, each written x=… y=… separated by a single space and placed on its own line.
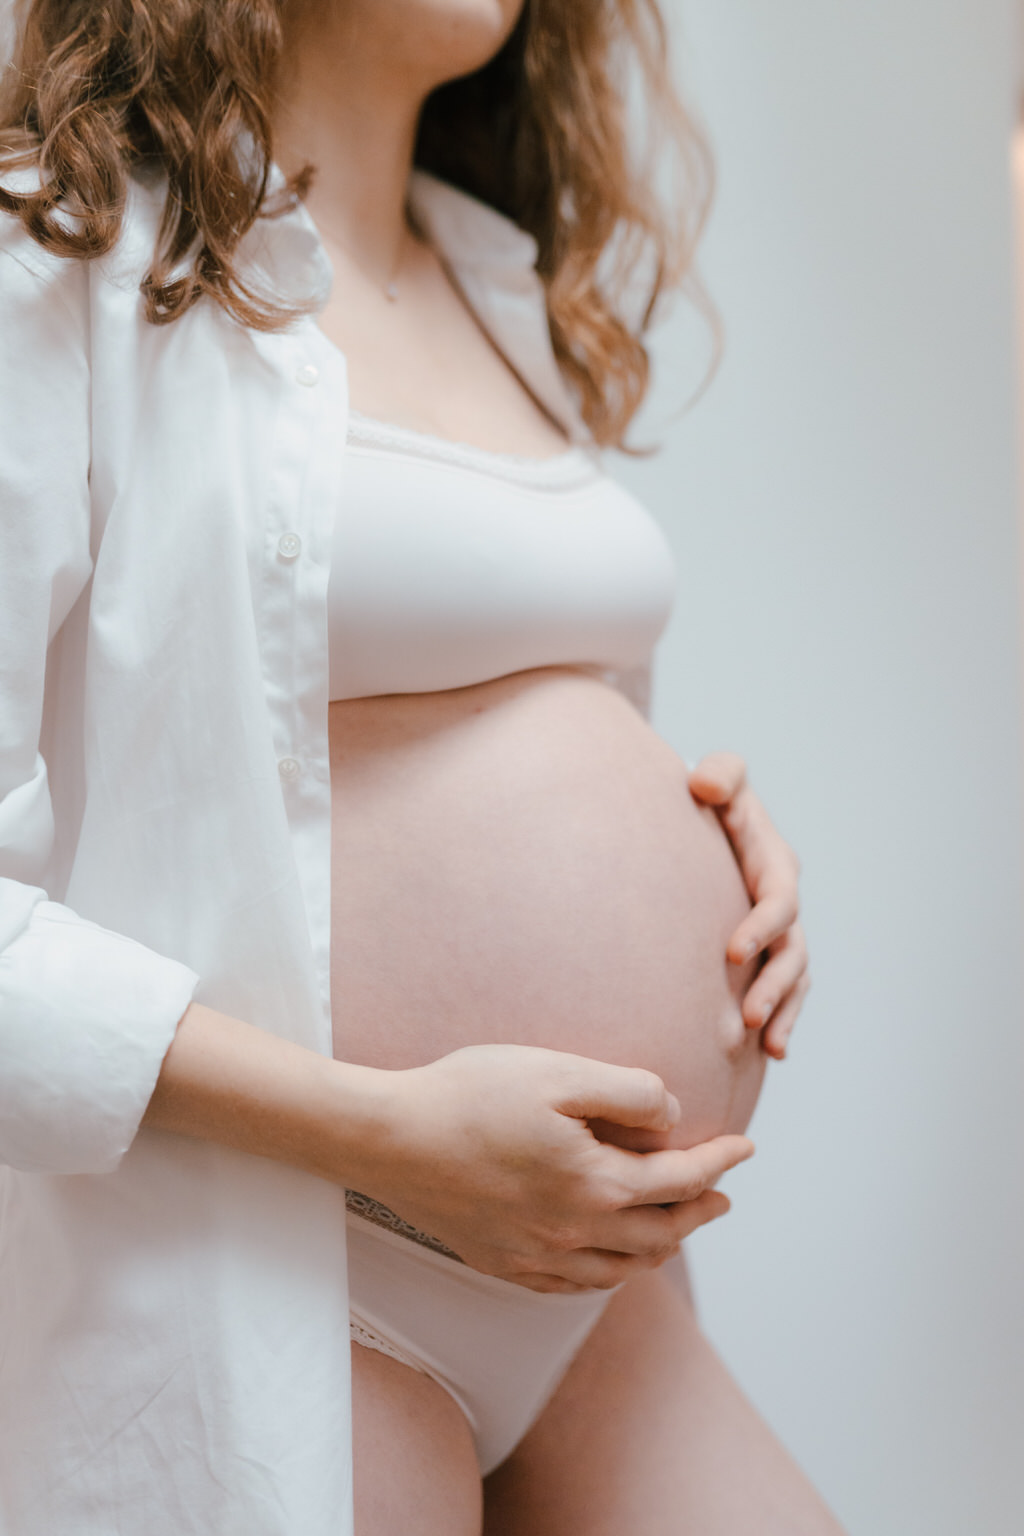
x=289 y=545
x=289 y=768
x=307 y=374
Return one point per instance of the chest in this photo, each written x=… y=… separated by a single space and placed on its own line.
x=424 y=360
x=451 y=565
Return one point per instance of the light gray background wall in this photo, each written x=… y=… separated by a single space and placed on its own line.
x=843 y=509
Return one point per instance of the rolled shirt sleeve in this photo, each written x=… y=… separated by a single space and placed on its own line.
x=86 y=1014
x=86 y=1017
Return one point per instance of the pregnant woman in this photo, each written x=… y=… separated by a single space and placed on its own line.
x=333 y=841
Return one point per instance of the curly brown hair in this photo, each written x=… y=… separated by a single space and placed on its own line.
x=544 y=133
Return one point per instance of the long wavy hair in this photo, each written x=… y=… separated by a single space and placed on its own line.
x=548 y=132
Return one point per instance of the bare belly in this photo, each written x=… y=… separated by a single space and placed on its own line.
x=521 y=861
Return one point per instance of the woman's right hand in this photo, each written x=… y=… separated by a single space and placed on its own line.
x=491 y=1150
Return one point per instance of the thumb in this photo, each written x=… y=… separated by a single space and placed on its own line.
x=623 y=1095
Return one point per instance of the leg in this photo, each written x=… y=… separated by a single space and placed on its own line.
x=415 y=1464
x=649 y=1434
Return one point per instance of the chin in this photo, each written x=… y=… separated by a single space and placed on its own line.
x=443 y=39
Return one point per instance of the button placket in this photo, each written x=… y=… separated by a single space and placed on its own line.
x=302 y=494
x=289 y=546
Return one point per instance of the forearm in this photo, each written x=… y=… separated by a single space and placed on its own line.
x=226 y=1081
x=487 y=1149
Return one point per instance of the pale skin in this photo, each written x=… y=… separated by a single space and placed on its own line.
x=488 y=1147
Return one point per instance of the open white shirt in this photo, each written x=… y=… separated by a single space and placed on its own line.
x=174 y=1349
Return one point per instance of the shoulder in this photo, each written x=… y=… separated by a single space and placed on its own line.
x=32 y=275
x=43 y=297
x=19 y=251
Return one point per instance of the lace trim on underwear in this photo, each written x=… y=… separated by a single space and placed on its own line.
x=370 y=1339
x=382 y=1216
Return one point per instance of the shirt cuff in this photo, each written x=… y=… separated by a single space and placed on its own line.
x=86 y=1018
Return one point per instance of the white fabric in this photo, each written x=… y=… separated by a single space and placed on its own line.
x=8 y=29
x=173 y=1318
x=498 y=1349
x=451 y=565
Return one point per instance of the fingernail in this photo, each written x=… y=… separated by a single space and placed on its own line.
x=750 y=949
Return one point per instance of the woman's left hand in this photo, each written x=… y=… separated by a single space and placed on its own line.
x=771 y=871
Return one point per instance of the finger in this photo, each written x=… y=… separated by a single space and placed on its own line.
x=624 y=1095
x=681 y=1220
x=597 y=1268
x=718 y=777
x=691 y=1214
x=601 y=1269
x=654 y=1232
x=547 y=1284
x=774 y=915
x=776 y=1036
x=663 y=1178
x=775 y=982
x=583 y=1269
x=760 y=848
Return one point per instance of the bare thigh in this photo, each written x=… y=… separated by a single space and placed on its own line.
x=648 y=1433
x=415 y=1464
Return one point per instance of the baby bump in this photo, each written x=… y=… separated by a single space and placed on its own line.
x=522 y=862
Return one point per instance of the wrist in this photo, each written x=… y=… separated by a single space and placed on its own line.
x=357 y=1117
x=226 y=1081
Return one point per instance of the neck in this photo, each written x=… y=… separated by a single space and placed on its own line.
x=343 y=106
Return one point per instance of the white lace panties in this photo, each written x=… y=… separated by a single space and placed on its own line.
x=498 y=1349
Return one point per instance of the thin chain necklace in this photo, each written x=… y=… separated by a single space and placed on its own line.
x=390 y=288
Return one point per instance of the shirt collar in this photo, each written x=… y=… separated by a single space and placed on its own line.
x=492 y=260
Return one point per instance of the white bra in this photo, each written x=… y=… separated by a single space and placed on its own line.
x=452 y=565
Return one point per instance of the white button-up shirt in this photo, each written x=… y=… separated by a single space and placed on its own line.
x=174 y=1352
